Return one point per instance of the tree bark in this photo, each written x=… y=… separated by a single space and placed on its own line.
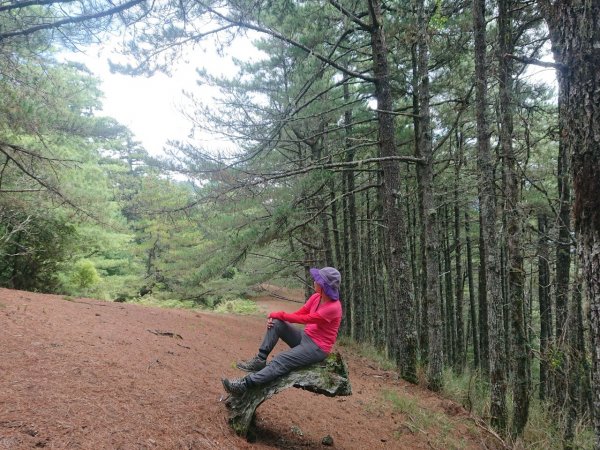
x=486 y=177
x=472 y=302
x=563 y=265
x=484 y=345
x=459 y=286
x=421 y=292
x=334 y=225
x=545 y=305
x=399 y=277
x=449 y=291
x=516 y=273
x=575 y=34
x=428 y=207
x=349 y=222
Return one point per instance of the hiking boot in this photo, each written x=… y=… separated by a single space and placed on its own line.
x=236 y=387
x=252 y=365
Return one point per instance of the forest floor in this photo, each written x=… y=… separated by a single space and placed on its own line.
x=78 y=373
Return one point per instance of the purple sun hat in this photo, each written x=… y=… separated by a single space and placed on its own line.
x=329 y=279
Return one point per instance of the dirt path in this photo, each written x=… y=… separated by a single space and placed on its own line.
x=86 y=374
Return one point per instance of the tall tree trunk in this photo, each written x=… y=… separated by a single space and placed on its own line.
x=563 y=265
x=334 y=225
x=381 y=287
x=369 y=305
x=459 y=289
x=325 y=232
x=374 y=251
x=575 y=34
x=545 y=304
x=585 y=392
x=516 y=276
x=488 y=220
x=424 y=336
x=449 y=293
x=484 y=344
x=472 y=302
x=399 y=276
x=446 y=326
x=576 y=377
x=428 y=208
x=349 y=221
x=506 y=328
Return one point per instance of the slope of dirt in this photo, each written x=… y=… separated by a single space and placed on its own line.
x=86 y=374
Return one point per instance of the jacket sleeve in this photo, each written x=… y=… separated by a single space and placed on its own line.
x=302 y=311
x=302 y=318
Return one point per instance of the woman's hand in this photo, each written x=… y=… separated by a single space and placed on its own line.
x=272 y=316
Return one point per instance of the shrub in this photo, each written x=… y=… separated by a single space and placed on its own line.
x=84 y=274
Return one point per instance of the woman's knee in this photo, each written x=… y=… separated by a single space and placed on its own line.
x=278 y=366
x=279 y=324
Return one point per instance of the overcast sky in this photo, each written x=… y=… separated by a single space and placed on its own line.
x=151 y=106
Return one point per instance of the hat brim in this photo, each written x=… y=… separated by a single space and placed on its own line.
x=331 y=292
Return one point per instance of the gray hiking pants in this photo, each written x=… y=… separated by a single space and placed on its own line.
x=303 y=352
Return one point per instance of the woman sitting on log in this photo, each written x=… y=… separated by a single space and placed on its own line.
x=322 y=314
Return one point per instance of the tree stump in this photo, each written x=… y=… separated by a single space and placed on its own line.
x=329 y=377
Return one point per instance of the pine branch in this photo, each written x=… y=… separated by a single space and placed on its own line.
x=8 y=150
x=360 y=162
x=327 y=205
x=71 y=20
x=537 y=62
x=281 y=37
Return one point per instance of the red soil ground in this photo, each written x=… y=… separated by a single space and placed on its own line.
x=87 y=374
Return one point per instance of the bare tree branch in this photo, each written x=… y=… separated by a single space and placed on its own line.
x=20 y=5
x=363 y=25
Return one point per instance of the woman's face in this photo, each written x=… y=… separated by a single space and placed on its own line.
x=317 y=287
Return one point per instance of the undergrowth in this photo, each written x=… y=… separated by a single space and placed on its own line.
x=424 y=421
x=149 y=300
x=237 y=306
x=544 y=428
x=367 y=351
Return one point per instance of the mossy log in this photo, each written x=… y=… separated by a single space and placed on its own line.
x=329 y=377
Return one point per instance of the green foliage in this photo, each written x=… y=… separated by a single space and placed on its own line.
x=556 y=357
x=84 y=274
x=34 y=245
x=57 y=204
